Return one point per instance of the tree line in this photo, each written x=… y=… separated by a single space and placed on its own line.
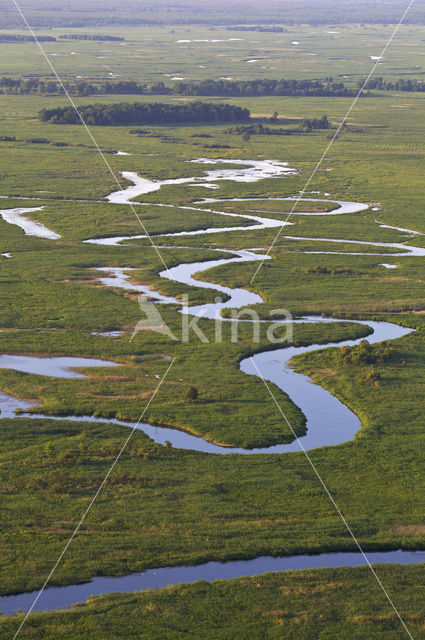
x=92 y=36
x=402 y=84
x=150 y=113
x=17 y=37
x=222 y=88
x=257 y=88
x=50 y=87
x=84 y=13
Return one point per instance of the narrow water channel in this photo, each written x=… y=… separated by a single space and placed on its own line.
x=329 y=422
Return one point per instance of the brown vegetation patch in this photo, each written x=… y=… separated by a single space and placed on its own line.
x=125 y=223
x=395 y=151
x=310 y=589
x=410 y=529
x=372 y=620
x=324 y=371
x=263 y=522
x=398 y=279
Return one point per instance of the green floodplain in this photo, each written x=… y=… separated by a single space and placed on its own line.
x=164 y=506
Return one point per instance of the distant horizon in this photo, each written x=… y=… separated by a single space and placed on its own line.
x=79 y=14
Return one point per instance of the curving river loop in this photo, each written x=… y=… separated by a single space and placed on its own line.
x=328 y=421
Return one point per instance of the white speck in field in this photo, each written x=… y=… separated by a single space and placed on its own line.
x=7 y=255
x=388 y=266
x=206 y=185
x=295 y=42
x=107 y=334
x=206 y=40
x=178 y=78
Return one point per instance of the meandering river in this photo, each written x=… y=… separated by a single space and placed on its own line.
x=329 y=422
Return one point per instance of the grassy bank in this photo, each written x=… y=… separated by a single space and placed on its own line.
x=298 y=605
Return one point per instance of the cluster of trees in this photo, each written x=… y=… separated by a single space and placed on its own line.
x=225 y=88
x=315 y=123
x=17 y=37
x=366 y=353
x=258 y=130
x=401 y=84
x=192 y=393
x=83 y=88
x=263 y=87
x=91 y=36
x=151 y=113
x=30 y=86
x=308 y=124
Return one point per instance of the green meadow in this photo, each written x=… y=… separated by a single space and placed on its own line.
x=165 y=506
x=155 y=53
